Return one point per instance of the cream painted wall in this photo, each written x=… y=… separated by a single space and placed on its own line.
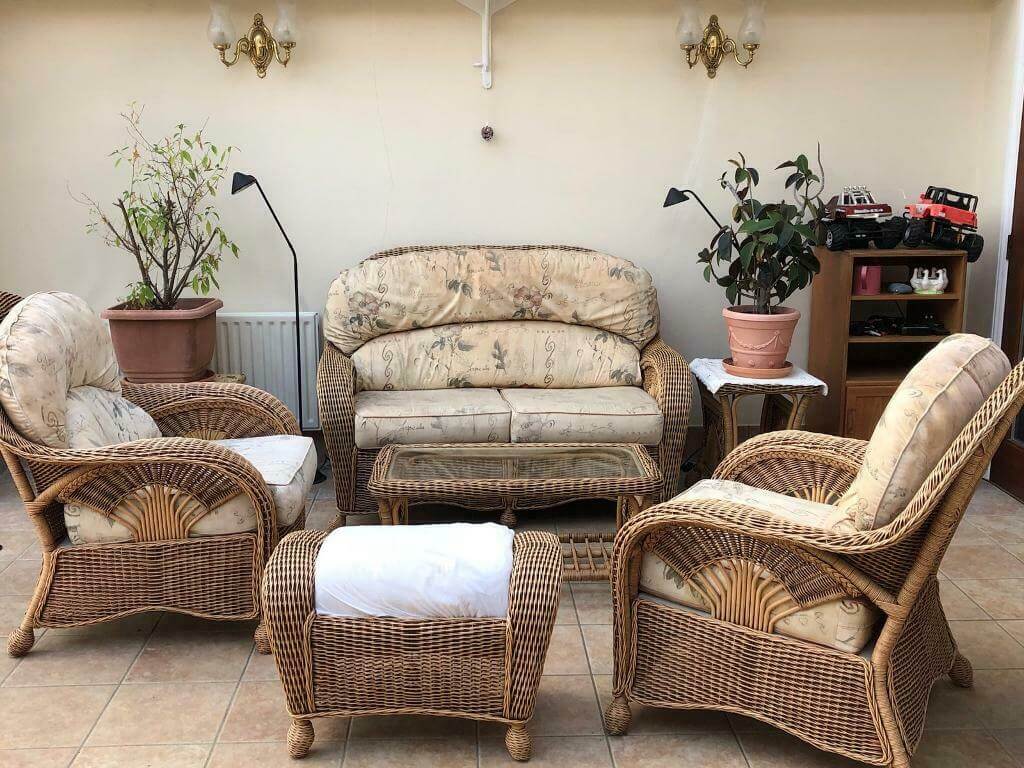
x=370 y=138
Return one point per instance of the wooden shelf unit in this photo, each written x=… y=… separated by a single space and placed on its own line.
x=862 y=372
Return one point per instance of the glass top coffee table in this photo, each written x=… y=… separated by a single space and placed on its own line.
x=516 y=476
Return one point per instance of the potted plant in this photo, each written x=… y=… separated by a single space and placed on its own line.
x=167 y=221
x=763 y=258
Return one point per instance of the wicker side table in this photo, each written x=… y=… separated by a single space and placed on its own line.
x=784 y=407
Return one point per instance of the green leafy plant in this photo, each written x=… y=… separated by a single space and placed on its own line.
x=766 y=254
x=165 y=218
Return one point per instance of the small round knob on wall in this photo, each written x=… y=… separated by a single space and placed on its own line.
x=487 y=133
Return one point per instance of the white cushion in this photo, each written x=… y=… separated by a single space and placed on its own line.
x=843 y=624
x=431 y=416
x=926 y=413
x=287 y=464
x=595 y=415
x=51 y=343
x=459 y=570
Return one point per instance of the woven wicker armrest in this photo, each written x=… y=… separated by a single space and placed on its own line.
x=336 y=393
x=212 y=410
x=666 y=378
x=819 y=467
x=533 y=594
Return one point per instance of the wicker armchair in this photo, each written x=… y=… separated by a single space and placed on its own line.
x=184 y=476
x=867 y=706
x=664 y=375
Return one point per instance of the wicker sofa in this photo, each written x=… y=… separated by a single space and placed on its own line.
x=471 y=344
x=708 y=587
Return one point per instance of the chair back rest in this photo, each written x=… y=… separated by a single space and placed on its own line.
x=7 y=302
x=937 y=399
x=51 y=343
x=428 y=287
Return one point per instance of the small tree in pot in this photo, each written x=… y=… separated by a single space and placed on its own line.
x=167 y=221
x=763 y=258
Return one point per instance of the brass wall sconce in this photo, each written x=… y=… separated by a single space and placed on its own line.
x=710 y=46
x=259 y=45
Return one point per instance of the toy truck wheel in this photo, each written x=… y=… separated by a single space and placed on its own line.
x=913 y=236
x=973 y=244
x=890 y=234
x=835 y=237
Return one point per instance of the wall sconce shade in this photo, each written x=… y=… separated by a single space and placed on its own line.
x=259 y=45
x=689 y=30
x=285 y=26
x=752 y=27
x=220 y=30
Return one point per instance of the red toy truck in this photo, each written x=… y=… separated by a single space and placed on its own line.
x=944 y=218
x=854 y=220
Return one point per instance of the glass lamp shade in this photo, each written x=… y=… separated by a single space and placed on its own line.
x=284 y=27
x=220 y=30
x=751 y=29
x=689 y=30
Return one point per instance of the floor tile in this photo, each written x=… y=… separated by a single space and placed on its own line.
x=176 y=622
x=175 y=657
x=1013 y=742
x=411 y=753
x=163 y=713
x=777 y=749
x=19 y=578
x=1003 y=529
x=138 y=624
x=261 y=666
x=566 y=706
x=990 y=500
x=955 y=749
x=36 y=758
x=593 y=602
x=410 y=727
x=956 y=604
x=551 y=752
x=566 y=655
x=996 y=698
x=54 y=716
x=999 y=598
x=12 y=611
x=320 y=515
x=598 y=640
x=1015 y=628
x=987 y=645
x=164 y=756
x=258 y=713
x=76 y=659
x=15 y=542
x=708 y=750
x=566 y=607
x=953 y=708
x=970 y=532
x=274 y=754
x=663 y=720
x=981 y=561
x=13 y=515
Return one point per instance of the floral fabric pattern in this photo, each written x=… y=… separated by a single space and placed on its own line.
x=497 y=354
x=431 y=416
x=594 y=415
x=443 y=286
x=926 y=413
x=97 y=418
x=51 y=343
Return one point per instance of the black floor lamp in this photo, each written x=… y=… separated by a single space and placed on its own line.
x=242 y=181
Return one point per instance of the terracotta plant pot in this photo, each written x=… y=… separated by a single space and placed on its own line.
x=759 y=343
x=162 y=345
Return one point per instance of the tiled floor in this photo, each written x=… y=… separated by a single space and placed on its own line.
x=168 y=691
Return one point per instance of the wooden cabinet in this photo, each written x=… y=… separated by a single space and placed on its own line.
x=862 y=372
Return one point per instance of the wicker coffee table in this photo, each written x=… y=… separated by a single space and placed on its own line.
x=515 y=476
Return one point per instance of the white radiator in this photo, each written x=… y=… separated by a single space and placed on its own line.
x=262 y=346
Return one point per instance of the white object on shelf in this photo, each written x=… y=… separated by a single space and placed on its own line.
x=713 y=376
x=486 y=9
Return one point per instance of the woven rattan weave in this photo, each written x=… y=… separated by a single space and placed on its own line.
x=869 y=706
x=214 y=577
x=665 y=376
x=485 y=669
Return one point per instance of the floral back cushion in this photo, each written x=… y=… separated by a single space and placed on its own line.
x=429 y=287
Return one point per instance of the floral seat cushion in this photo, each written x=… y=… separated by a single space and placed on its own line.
x=844 y=624
x=431 y=416
x=593 y=415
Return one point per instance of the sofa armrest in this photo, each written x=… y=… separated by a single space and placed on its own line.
x=336 y=394
x=666 y=378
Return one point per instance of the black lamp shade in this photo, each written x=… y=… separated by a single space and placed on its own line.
x=242 y=181
x=674 y=197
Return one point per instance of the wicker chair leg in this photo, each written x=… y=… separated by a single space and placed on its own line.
x=617 y=717
x=21 y=641
x=962 y=673
x=519 y=743
x=300 y=738
x=508 y=518
x=262 y=638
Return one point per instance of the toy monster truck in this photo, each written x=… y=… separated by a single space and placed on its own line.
x=853 y=220
x=944 y=218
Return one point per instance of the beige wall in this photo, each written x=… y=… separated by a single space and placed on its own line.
x=370 y=139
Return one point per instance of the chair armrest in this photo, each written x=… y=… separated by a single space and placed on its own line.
x=336 y=395
x=796 y=463
x=533 y=594
x=288 y=600
x=213 y=411
x=666 y=377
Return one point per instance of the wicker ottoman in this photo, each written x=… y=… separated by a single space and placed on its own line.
x=484 y=669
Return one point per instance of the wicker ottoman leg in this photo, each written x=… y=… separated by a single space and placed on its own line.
x=961 y=673
x=21 y=640
x=262 y=638
x=518 y=743
x=617 y=717
x=300 y=738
